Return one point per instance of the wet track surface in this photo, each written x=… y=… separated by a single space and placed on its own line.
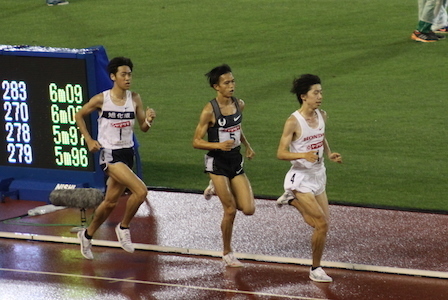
x=42 y=261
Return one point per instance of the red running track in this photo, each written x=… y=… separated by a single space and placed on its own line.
x=43 y=262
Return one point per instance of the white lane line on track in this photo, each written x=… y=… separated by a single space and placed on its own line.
x=256 y=257
x=160 y=284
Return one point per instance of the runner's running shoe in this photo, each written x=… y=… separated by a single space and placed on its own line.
x=319 y=275
x=285 y=198
x=231 y=261
x=209 y=191
x=86 y=244
x=124 y=237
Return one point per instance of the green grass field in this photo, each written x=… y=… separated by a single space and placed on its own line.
x=384 y=94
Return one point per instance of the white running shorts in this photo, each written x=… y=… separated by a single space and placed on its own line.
x=306 y=181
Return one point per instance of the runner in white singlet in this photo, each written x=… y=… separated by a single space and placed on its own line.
x=303 y=143
x=116 y=122
x=118 y=109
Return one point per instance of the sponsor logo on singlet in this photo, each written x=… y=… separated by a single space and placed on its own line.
x=118 y=115
x=231 y=129
x=222 y=122
x=315 y=146
x=121 y=124
x=311 y=137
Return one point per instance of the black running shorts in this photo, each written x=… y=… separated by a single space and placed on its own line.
x=225 y=163
x=109 y=156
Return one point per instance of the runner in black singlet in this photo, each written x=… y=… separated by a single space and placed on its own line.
x=221 y=121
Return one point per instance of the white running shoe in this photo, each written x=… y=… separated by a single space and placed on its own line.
x=86 y=244
x=319 y=275
x=231 y=261
x=124 y=237
x=209 y=191
x=285 y=198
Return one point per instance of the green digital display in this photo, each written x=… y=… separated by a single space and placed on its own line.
x=40 y=96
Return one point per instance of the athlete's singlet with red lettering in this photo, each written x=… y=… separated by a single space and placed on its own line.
x=226 y=127
x=116 y=123
x=225 y=163
x=312 y=139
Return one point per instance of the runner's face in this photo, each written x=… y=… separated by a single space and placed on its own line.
x=226 y=86
x=123 y=77
x=314 y=96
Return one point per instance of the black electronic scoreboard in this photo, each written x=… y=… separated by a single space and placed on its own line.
x=40 y=144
